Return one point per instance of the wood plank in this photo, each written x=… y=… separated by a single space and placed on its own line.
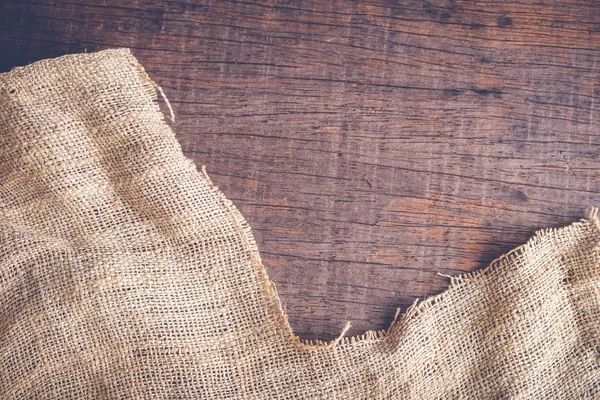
x=369 y=144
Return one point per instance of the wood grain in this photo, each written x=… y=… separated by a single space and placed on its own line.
x=369 y=144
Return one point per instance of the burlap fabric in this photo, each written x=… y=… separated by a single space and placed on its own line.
x=126 y=274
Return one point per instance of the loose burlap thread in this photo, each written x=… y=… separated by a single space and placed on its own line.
x=126 y=274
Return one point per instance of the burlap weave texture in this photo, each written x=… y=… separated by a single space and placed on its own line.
x=126 y=274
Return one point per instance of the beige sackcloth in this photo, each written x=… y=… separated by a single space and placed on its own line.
x=126 y=274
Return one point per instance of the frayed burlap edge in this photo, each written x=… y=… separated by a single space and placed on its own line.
x=418 y=307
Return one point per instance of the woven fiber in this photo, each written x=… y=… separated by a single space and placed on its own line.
x=126 y=274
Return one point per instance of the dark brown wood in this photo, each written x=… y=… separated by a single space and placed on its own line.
x=369 y=144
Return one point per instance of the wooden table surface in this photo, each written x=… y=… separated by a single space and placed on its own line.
x=370 y=144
